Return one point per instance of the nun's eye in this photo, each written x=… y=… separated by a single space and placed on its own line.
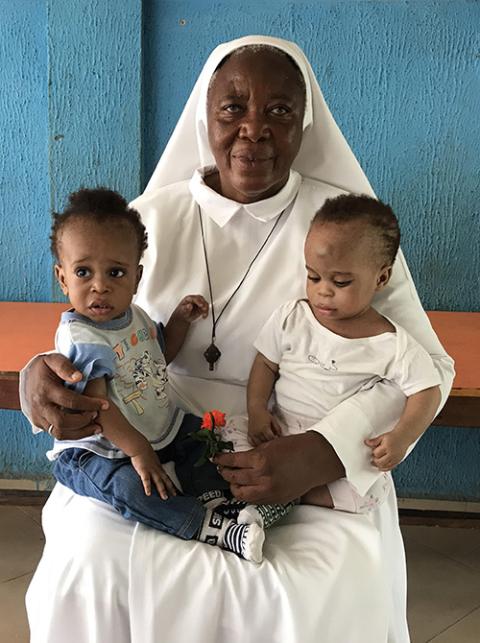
x=232 y=108
x=280 y=110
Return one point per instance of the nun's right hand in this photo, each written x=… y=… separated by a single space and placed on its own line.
x=51 y=406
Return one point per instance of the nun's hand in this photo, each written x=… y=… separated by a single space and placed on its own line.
x=52 y=407
x=282 y=469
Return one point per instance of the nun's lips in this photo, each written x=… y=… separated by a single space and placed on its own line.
x=251 y=159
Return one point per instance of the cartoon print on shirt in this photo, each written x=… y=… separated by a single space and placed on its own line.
x=328 y=366
x=142 y=374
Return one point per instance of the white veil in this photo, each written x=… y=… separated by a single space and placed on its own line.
x=324 y=154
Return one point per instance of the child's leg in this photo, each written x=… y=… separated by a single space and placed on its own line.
x=185 y=452
x=346 y=498
x=264 y=515
x=245 y=540
x=236 y=431
x=116 y=483
x=213 y=491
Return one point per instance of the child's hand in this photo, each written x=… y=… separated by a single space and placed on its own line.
x=148 y=467
x=191 y=308
x=388 y=450
x=262 y=427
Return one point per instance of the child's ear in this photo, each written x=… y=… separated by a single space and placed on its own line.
x=383 y=277
x=60 y=275
x=139 y=276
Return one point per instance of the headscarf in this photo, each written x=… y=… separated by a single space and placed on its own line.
x=324 y=154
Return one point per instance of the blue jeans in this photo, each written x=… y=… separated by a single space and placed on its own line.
x=116 y=482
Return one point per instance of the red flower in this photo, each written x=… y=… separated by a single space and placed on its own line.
x=218 y=417
x=212 y=419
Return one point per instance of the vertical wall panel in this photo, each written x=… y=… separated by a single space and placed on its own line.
x=70 y=115
x=94 y=60
x=24 y=260
x=25 y=263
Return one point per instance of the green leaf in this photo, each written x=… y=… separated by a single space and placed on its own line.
x=201 y=436
x=225 y=446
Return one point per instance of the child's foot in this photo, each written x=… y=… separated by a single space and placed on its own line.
x=212 y=499
x=245 y=540
x=264 y=515
x=250 y=516
x=229 y=508
x=232 y=508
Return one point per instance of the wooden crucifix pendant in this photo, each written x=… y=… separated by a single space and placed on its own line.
x=212 y=355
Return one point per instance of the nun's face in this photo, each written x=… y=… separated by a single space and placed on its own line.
x=255 y=113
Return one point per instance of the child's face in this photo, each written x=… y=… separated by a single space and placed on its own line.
x=343 y=271
x=98 y=269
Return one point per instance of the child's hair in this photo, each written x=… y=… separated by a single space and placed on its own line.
x=99 y=205
x=379 y=216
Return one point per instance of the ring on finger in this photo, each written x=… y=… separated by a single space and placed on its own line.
x=50 y=429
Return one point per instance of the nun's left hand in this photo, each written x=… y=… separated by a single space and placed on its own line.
x=282 y=469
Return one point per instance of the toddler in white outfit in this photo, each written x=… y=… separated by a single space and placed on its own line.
x=315 y=353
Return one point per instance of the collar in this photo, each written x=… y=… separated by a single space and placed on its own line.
x=119 y=323
x=221 y=210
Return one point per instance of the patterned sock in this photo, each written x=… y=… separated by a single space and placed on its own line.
x=264 y=515
x=244 y=540
x=213 y=498
x=228 y=507
x=213 y=527
x=231 y=508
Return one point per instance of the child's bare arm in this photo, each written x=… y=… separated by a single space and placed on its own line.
x=390 y=448
x=262 y=426
x=114 y=425
x=118 y=430
x=188 y=310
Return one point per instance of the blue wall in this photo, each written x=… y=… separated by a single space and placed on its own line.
x=401 y=78
x=25 y=264
x=70 y=115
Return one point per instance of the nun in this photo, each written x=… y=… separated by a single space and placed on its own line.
x=254 y=155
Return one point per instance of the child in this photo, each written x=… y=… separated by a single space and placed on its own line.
x=98 y=243
x=315 y=353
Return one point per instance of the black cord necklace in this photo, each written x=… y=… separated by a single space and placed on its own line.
x=212 y=353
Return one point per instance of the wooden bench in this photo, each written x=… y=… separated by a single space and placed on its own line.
x=28 y=328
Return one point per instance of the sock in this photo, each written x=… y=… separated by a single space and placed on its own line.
x=213 y=498
x=230 y=508
x=243 y=540
x=264 y=515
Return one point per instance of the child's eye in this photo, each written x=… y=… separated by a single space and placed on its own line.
x=82 y=272
x=342 y=284
x=117 y=272
x=314 y=279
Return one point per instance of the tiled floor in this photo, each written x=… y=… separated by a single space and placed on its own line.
x=443 y=566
